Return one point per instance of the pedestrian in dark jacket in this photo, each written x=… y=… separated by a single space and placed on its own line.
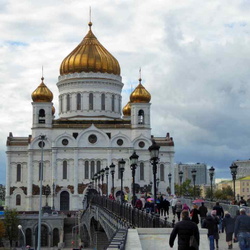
x=165 y=206
x=203 y=212
x=242 y=230
x=219 y=213
x=178 y=209
x=184 y=229
x=228 y=225
x=194 y=214
x=211 y=223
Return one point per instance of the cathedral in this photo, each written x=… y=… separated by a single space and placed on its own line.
x=92 y=131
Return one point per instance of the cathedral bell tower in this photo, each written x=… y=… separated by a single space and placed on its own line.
x=43 y=109
x=140 y=107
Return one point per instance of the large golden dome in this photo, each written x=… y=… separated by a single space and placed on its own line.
x=140 y=94
x=90 y=56
x=42 y=93
x=127 y=110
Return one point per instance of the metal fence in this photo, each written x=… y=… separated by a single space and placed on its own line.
x=130 y=216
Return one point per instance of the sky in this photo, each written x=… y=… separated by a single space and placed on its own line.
x=194 y=58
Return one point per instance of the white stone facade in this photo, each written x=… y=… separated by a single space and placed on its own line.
x=88 y=136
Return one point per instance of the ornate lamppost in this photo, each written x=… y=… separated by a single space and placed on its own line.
x=107 y=178
x=112 y=171
x=193 y=172
x=169 y=180
x=154 y=153
x=180 y=177
x=102 y=177
x=122 y=168
x=95 y=179
x=98 y=180
x=134 y=160
x=233 y=169
x=41 y=145
x=211 y=174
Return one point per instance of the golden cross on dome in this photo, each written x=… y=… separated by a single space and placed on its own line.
x=140 y=75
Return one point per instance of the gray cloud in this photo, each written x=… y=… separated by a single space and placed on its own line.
x=194 y=57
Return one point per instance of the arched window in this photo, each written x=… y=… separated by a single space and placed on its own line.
x=40 y=171
x=86 y=170
x=113 y=103
x=28 y=237
x=141 y=171
x=162 y=170
x=141 y=117
x=78 y=101
x=91 y=101
x=92 y=164
x=18 y=172
x=18 y=200
x=68 y=102
x=65 y=169
x=103 y=102
x=41 y=116
x=98 y=166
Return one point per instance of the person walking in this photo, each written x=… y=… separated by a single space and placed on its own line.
x=165 y=206
x=242 y=230
x=203 y=212
x=228 y=224
x=185 y=229
x=211 y=223
x=194 y=214
x=178 y=209
x=173 y=202
x=219 y=213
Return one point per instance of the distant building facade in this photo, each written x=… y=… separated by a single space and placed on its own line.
x=201 y=172
x=243 y=168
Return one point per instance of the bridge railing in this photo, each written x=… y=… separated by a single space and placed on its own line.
x=132 y=217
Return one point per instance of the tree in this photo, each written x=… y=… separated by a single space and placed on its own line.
x=2 y=231
x=11 y=222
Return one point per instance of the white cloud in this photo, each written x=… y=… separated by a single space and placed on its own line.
x=194 y=57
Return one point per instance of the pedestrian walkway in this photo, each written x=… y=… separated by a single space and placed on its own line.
x=222 y=240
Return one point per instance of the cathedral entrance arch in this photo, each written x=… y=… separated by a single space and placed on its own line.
x=64 y=201
x=44 y=236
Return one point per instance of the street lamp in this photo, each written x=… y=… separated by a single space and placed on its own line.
x=112 y=171
x=41 y=145
x=98 y=179
x=24 y=238
x=107 y=178
x=134 y=160
x=95 y=179
x=193 y=172
x=233 y=169
x=169 y=180
x=180 y=176
x=157 y=184
x=154 y=153
x=211 y=174
x=122 y=168
x=102 y=177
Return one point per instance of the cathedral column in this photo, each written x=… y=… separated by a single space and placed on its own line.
x=172 y=172
x=29 y=181
x=75 y=195
x=53 y=175
x=7 y=189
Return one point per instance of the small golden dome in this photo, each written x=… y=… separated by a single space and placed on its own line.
x=140 y=94
x=42 y=93
x=90 y=56
x=53 y=110
x=127 y=109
